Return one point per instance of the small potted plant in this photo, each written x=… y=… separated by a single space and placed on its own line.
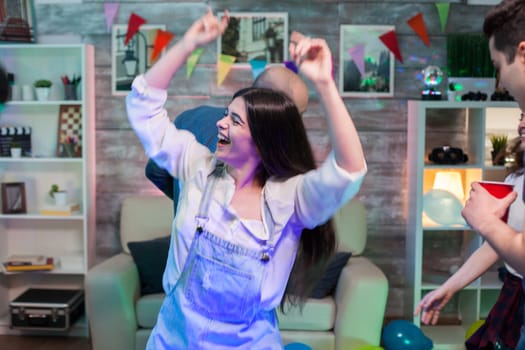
x=58 y=195
x=42 y=88
x=499 y=147
x=16 y=149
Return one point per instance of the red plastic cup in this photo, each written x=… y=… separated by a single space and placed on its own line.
x=498 y=190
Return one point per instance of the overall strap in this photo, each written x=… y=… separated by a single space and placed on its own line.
x=268 y=223
x=202 y=215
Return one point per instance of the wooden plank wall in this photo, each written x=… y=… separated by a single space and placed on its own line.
x=382 y=123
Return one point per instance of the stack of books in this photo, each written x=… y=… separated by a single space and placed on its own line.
x=29 y=262
x=60 y=210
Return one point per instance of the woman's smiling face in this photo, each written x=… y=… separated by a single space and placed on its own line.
x=236 y=146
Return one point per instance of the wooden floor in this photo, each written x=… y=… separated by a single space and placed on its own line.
x=11 y=342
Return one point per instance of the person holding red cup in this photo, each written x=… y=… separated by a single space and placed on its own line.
x=504 y=26
x=501 y=328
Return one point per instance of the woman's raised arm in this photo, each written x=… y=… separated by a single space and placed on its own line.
x=314 y=59
x=202 y=32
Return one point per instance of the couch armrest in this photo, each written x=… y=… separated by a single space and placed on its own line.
x=360 y=296
x=112 y=288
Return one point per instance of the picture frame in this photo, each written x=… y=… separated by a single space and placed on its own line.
x=17 y=21
x=128 y=61
x=13 y=198
x=378 y=62
x=69 y=134
x=255 y=36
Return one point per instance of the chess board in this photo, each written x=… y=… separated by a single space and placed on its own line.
x=70 y=124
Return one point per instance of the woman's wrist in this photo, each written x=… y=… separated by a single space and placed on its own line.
x=187 y=45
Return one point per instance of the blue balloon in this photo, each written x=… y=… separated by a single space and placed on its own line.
x=297 y=346
x=403 y=335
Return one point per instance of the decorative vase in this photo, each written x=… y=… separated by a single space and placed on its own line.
x=16 y=152
x=60 y=198
x=42 y=94
x=498 y=158
x=70 y=92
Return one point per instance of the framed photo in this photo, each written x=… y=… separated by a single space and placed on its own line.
x=69 y=143
x=366 y=66
x=253 y=35
x=13 y=198
x=128 y=61
x=17 y=21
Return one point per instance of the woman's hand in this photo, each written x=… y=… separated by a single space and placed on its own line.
x=312 y=56
x=430 y=306
x=205 y=30
x=482 y=207
x=202 y=31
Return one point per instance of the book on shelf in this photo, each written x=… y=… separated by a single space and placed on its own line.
x=28 y=262
x=68 y=209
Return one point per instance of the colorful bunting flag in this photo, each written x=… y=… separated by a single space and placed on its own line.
x=257 y=67
x=134 y=23
x=223 y=67
x=191 y=62
x=443 y=8
x=390 y=41
x=291 y=66
x=357 y=53
x=161 y=40
x=110 y=10
x=418 y=25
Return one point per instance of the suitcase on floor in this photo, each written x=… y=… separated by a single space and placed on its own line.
x=46 y=309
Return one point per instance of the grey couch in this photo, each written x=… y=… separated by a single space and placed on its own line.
x=120 y=319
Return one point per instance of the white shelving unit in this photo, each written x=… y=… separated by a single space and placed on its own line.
x=69 y=239
x=467 y=125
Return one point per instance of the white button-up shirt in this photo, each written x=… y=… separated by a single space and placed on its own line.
x=302 y=201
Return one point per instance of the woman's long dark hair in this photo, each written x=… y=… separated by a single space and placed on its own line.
x=278 y=132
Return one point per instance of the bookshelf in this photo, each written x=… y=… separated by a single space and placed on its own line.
x=434 y=249
x=69 y=239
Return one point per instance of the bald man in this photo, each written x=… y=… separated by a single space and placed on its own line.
x=201 y=121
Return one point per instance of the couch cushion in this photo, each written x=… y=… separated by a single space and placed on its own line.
x=317 y=315
x=148 y=308
x=150 y=258
x=326 y=285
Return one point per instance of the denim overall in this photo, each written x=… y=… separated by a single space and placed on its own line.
x=215 y=304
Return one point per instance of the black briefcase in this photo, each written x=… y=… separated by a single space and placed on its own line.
x=47 y=309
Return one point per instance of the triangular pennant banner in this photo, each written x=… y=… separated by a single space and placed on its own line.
x=191 y=62
x=224 y=65
x=110 y=11
x=418 y=25
x=161 y=40
x=357 y=53
x=291 y=66
x=134 y=23
x=257 y=67
x=390 y=41
x=443 y=8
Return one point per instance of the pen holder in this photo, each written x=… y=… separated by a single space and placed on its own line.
x=70 y=92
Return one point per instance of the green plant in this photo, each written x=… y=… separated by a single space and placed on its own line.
x=14 y=144
x=54 y=188
x=42 y=83
x=499 y=142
